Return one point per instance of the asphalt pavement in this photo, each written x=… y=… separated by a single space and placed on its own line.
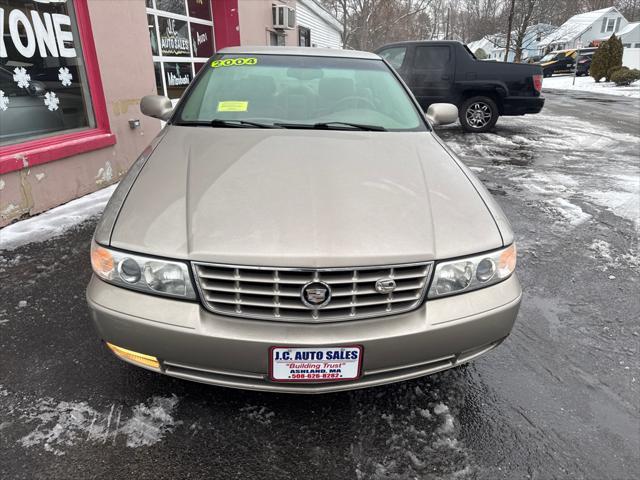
x=558 y=399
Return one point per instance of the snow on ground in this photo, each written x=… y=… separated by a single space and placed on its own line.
x=558 y=160
x=55 y=221
x=423 y=431
x=57 y=425
x=588 y=84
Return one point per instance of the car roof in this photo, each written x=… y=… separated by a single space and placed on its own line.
x=301 y=51
x=419 y=42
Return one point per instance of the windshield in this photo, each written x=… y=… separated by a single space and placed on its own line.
x=548 y=57
x=299 y=90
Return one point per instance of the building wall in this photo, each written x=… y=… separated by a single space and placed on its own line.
x=632 y=38
x=124 y=55
x=631 y=58
x=322 y=34
x=256 y=22
x=226 y=23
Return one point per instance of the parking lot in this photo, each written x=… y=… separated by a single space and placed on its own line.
x=559 y=399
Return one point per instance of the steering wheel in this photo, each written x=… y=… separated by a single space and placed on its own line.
x=340 y=104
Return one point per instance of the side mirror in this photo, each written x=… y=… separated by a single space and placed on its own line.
x=442 y=113
x=156 y=106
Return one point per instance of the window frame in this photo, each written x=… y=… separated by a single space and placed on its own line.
x=304 y=33
x=62 y=145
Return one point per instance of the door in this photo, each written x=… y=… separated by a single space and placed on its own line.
x=432 y=73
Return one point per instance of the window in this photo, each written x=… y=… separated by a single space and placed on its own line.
x=304 y=37
x=611 y=23
x=300 y=89
x=52 y=103
x=43 y=81
x=395 y=56
x=430 y=58
x=181 y=35
x=636 y=45
x=626 y=45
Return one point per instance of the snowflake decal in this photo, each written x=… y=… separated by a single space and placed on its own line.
x=51 y=100
x=4 y=101
x=21 y=77
x=65 y=76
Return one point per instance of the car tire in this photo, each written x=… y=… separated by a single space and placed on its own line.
x=478 y=114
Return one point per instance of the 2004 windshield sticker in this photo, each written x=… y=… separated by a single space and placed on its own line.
x=234 y=62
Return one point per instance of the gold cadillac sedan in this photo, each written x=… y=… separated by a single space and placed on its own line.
x=297 y=226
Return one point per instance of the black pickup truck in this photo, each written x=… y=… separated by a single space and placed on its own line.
x=447 y=72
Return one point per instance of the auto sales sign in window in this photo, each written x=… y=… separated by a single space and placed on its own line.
x=181 y=36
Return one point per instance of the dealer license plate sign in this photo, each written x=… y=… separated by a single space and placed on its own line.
x=309 y=364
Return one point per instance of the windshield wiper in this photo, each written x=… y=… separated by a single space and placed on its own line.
x=241 y=124
x=334 y=126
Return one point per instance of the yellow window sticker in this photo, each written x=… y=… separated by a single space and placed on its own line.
x=233 y=106
x=234 y=62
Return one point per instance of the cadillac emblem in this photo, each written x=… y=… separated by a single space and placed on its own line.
x=316 y=294
x=385 y=285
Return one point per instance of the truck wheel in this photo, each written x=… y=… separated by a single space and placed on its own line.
x=478 y=114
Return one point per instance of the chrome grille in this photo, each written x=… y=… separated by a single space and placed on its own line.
x=275 y=293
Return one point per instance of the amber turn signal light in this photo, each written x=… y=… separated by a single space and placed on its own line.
x=135 y=357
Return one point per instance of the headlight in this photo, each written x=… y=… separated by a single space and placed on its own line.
x=463 y=275
x=141 y=273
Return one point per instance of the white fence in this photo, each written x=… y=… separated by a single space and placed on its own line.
x=631 y=58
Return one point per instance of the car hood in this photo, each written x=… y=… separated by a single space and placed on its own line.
x=304 y=198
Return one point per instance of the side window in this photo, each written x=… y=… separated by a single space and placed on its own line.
x=395 y=56
x=431 y=58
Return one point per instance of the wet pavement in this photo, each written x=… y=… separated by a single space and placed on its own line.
x=559 y=399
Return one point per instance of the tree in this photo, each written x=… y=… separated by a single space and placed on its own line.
x=616 y=49
x=599 y=63
x=512 y=8
x=606 y=59
x=368 y=24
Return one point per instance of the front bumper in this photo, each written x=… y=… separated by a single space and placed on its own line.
x=522 y=105
x=194 y=344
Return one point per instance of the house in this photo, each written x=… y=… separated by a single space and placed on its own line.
x=316 y=26
x=304 y=23
x=630 y=35
x=584 y=30
x=494 y=45
x=485 y=44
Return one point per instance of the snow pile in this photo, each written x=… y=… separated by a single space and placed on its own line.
x=573 y=214
x=603 y=252
x=66 y=424
x=54 y=222
x=588 y=84
x=149 y=423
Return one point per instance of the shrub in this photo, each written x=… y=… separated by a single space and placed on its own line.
x=606 y=58
x=625 y=76
x=616 y=50
x=613 y=70
x=598 y=68
x=481 y=54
